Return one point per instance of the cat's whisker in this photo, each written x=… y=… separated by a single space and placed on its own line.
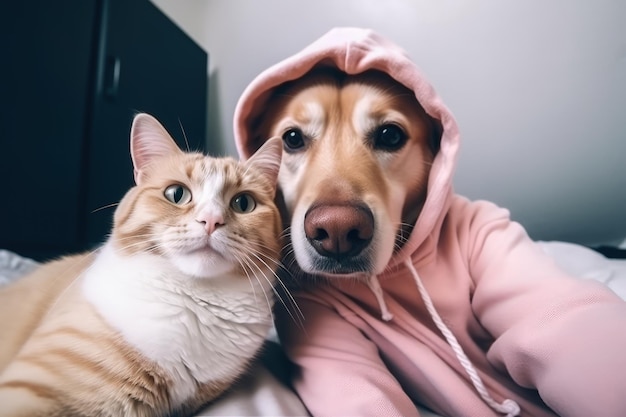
x=291 y=298
x=286 y=233
x=278 y=296
x=251 y=264
x=182 y=129
x=289 y=253
x=245 y=270
x=291 y=262
x=148 y=247
x=105 y=207
x=245 y=172
x=136 y=237
x=273 y=258
x=285 y=289
x=247 y=266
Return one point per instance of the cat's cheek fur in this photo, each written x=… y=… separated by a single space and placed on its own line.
x=124 y=211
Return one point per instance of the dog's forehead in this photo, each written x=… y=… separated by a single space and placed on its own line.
x=307 y=108
x=314 y=101
x=360 y=107
x=357 y=103
x=318 y=107
x=375 y=94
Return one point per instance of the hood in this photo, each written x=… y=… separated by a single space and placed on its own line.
x=355 y=50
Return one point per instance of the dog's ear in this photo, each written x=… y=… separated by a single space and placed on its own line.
x=255 y=143
x=279 y=200
x=436 y=131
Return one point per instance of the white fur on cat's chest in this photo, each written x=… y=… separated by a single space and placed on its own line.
x=194 y=329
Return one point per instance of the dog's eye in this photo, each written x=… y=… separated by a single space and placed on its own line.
x=389 y=137
x=293 y=139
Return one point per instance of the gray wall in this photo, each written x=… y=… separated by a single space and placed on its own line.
x=538 y=88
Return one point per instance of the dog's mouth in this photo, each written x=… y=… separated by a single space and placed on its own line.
x=339 y=267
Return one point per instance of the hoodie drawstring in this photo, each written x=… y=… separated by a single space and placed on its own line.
x=374 y=285
x=508 y=407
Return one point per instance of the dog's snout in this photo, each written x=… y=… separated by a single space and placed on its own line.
x=339 y=231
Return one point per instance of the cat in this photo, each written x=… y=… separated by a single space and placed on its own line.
x=169 y=311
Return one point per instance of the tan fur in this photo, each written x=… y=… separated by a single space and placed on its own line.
x=339 y=164
x=60 y=357
x=73 y=363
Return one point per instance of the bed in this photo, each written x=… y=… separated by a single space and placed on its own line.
x=265 y=391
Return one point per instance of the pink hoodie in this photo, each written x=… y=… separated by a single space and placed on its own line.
x=470 y=319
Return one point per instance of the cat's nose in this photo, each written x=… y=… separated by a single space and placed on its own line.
x=210 y=221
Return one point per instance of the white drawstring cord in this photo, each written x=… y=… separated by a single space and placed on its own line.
x=374 y=285
x=508 y=407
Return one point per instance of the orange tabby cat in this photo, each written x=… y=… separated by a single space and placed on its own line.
x=169 y=311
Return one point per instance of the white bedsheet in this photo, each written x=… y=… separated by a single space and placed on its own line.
x=589 y=264
x=264 y=391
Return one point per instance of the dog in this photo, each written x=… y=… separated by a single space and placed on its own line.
x=357 y=153
x=425 y=297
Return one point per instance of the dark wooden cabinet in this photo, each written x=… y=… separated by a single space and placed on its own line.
x=74 y=74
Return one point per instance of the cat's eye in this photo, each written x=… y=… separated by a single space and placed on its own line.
x=388 y=137
x=243 y=203
x=293 y=139
x=177 y=194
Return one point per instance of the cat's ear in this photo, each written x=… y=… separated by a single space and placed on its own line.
x=267 y=158
x=149 y=140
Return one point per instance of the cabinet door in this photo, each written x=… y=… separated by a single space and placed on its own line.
x=46 y=59
x=146 y=64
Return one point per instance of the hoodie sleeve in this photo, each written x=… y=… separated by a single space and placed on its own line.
x=562 y=335
x=338 y=370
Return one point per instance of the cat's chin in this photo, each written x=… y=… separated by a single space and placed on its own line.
x=202 y=264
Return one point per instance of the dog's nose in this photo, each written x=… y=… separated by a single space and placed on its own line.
x=339 y=231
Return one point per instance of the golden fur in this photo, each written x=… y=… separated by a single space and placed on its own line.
x=340 y=164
